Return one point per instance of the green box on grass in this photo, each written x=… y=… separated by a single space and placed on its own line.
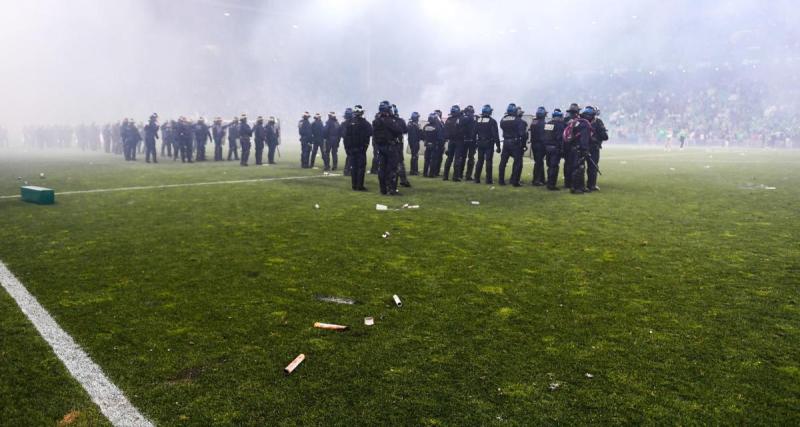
x=40 y=195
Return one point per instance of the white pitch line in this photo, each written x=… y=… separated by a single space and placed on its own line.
x=190 y=184
x=112 y=402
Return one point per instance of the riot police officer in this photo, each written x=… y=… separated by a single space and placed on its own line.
x=304 y=129
x=150 y=137
x=455 y=141
x=386 y=133
x=431 y=136
x=537 y=145
x=316 y=138
x=468 y=126
x=218 y=135
x=330 y=148
x=273 y=139
x=572 y=112
x=357 y=132
x=578 y=137
x=201 y=136
x=553 y=147
x=599 y=134
x=259 y=137
x=245 y=133
x=487 y=138
x=348 y=166
x=398 y=146
x=233 y=139
x=514 y=139
x=414 y=136
x=184 y=138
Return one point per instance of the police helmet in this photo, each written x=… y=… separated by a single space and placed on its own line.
x=317 y=116
x=469 y=109
x=306 y=115
x=348 y=113
x=271 y=119
x=455 y=109
x=358 y=110
x=438 y=113
x=574 y=108
x=487 y=110
x=331 y=114
x=588 y=111
x=432 y=117
x=414 y=116
x=541 y=112
x=557 y=113
x=511 y=109
x=385 y=107
x=259 y=119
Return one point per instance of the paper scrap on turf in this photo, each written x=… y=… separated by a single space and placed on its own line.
x=380 y=207
x=330 y=326
x=337 y=300
x=295 y=363
x=476 y=203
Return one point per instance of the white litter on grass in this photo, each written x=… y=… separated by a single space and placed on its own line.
x=491 y=188
x=108 y=397
x=475 y=202
x=41 y=174
x=554 y=386
x=588 y=375
x=380 y=207
x=369 y=321
x=386 y=235
x=316 y=205
x=769 y=188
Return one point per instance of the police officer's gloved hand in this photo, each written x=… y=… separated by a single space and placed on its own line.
x=497 y=150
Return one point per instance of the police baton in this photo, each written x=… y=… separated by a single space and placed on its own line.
x=591 y=160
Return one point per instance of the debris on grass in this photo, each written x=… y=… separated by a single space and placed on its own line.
x=337 y=300
x=295 y=363
x=69 y=418
x=330 y=326
x=41 y=174
x=397 y=301
x=386 y=235
x=588 y=375
x=380 y=207
x=491 y=188
x=316 y=205
x=554 y=386
x=475 y=203
x=369 y=321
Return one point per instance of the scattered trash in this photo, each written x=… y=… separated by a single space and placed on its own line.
x=651 y=331
x=295 y=363
x=337 y=300
x=316 y=205
x=588 y=375
x=330 y=326
x=475 y=203
x=325 y=173
x=41 y=174
x=491 y=188
x=753 y=186
x=397 y=301
x=554 y=386
x=413 y=207
x=769 y=188
x=380 y=207
x=386 y=234
x=369 y=321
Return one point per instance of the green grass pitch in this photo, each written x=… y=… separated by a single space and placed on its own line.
x=677 y=289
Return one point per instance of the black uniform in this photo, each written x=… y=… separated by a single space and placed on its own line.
x=357 y=132
x=304 y=128
x=259 y=137
x=553 y=146
x=184 y=138
x=272 y=141
x=330 y=151
x=514 y=139
x=455 y=144
x=386 y=133
x=218 y=135
x=468 y=126
x=578 y=149
x=150 y=137
x=599 y=134
x=316 y=139
x=398 y=146
x=538 y=149
x=132 y=138
x=245 y=133
x=487 y=138
x=233 y=139
x=201 y=136
x=414 y=137
x=166 y=139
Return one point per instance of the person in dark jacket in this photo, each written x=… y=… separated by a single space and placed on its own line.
x=357 y=132
x=233 y=139
x=467 y=155
x=578 y=145
x=150 y=137
x=273 y=139
x=348 y=166
x=317 y=139
x=259 y=137
x=202 y=134
x=184 y=138
x=386 y=133
x=537 y=145
x=599 y=135
x=455 y=140
x=304 y=128
x=398 y=146
x=414 y=137
x=515 y=132
x=330 y=149
x=554 y=146
x=431 y=136
x=245 y=133
x=218 y=136
x=487 y=138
